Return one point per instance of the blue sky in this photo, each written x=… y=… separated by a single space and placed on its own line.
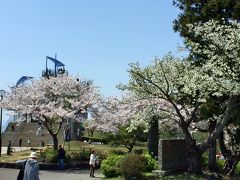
x=94 y=39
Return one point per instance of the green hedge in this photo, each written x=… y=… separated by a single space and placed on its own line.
x=80 y=156
x=128 y=165
x=151 y=163
x=110 y=166
x=51 y=155
x=132 y=166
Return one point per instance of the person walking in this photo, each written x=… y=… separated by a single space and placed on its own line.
x=92 y=163
x=30 y=166
x=39 y=131
x=61 y=157
x=29 y=142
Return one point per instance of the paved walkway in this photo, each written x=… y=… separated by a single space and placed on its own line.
x=11 y=174
x=69 y=174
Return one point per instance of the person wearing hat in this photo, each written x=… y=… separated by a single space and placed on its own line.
x=31 y=168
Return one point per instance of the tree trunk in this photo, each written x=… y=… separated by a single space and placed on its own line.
x=232 y=170
x=225 y=152
x=55 y=141
x=193 y=157
x=212 y=166
x=230 y=164
x=193 y=153
x=219 y=127
x=153 y=138
x=130 y=146
x=91 y=132
x=212 y=157
x=48 y=124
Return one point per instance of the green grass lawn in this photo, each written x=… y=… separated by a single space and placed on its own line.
x=72 y=146
x=78 y=146
x=14 y=156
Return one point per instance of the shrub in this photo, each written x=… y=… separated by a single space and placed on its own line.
x=68 y=158
x=220 y=164
x=80 y=156
x=84 y=155
x=151 y=163
x=101 y=154
x=110 y=166
x=51 y=155
x=204 y=160
x=117 y=151
x=133 y=166
x=237 y=170
x=75 y=156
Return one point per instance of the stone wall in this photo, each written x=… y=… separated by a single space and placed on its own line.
x=172 y=155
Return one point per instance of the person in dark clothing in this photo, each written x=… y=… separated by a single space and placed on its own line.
x=61 y=157
x=42 y=143
x=12 y=128
x=20 y=142
x=9 y=148
x=40 y=123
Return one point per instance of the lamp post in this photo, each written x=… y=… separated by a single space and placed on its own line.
x=2 y=93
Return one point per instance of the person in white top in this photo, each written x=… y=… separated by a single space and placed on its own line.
x=93 y=161
x=29 y=142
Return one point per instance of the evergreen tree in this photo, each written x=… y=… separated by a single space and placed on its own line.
x=201 y=11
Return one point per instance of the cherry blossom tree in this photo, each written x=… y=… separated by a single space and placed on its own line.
x=53 y=100
x=114 y=117
x=162 y=80
x=130 y=114
x=212 y=70
x=91 y=126
x=113 y=112
x=217 y=60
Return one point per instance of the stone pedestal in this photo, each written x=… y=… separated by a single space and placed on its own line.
x=172 y=156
